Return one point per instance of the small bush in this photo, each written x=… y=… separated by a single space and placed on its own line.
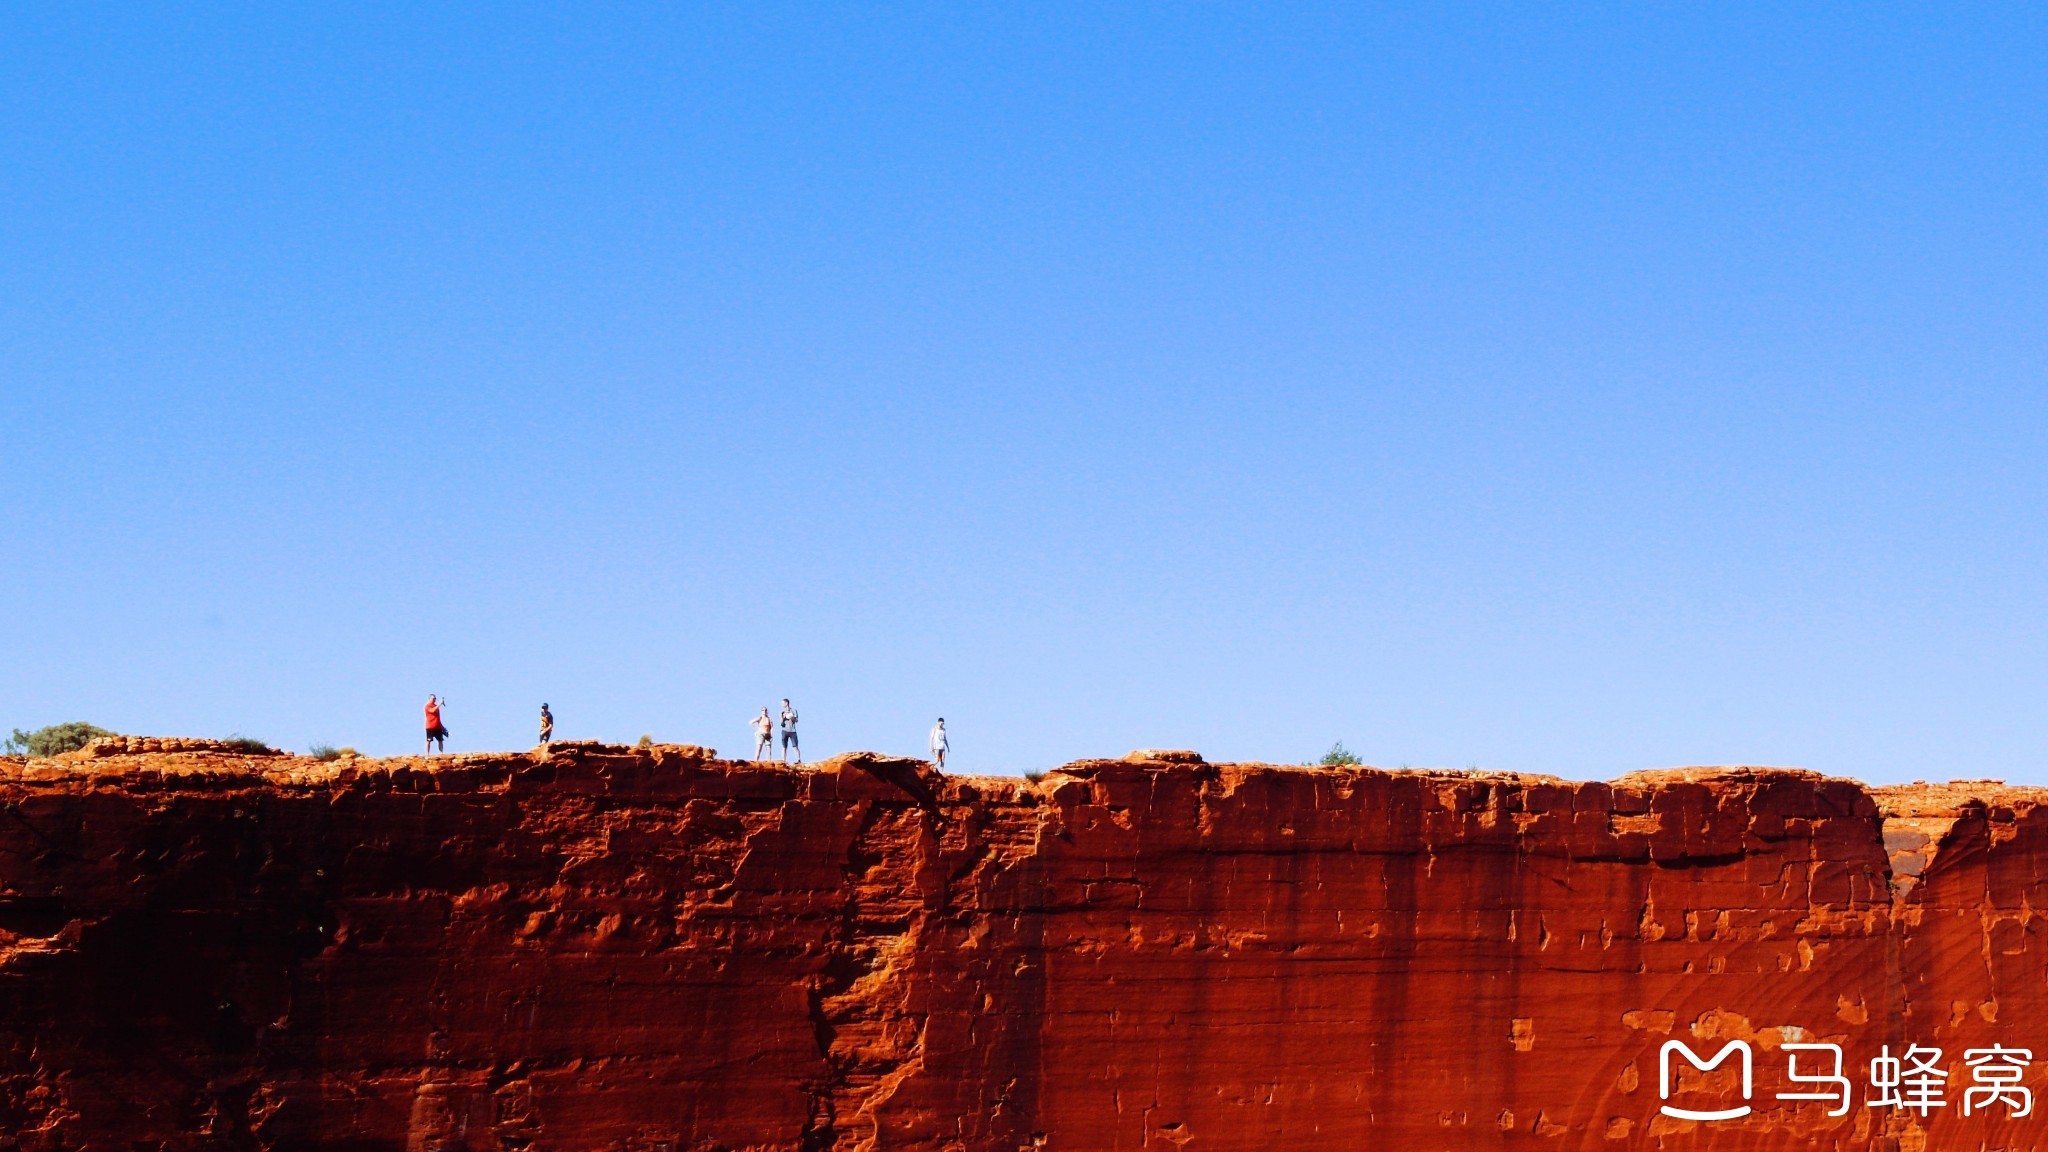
x=237 y=742
x=1338 y=756
x=53 y=739
x=1034 y=777
x=646 y=741
x=327 y=752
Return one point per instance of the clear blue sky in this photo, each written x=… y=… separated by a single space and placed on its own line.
x=1560 y=388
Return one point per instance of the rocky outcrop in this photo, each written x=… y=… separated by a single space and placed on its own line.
x=615 y=948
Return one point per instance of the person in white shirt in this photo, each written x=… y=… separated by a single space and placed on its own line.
x=789 y=744
x=764 y=735
x=939 y=745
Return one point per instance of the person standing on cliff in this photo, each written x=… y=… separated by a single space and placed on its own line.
x=437 y=733
x=764 y=735
x=789 y=744
x=939 y=744
x=547 y=726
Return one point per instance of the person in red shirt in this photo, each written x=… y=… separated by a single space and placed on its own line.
x=436 y=732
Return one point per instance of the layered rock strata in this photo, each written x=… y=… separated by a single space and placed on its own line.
x=641 y=949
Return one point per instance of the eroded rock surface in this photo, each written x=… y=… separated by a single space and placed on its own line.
x=625 y=949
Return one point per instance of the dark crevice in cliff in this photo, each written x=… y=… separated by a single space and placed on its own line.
x=863 y=1036
x=1706 y=860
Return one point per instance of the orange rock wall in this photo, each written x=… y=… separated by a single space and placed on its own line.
x=625 y=950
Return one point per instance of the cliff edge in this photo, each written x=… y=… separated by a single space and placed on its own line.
x=651 y=949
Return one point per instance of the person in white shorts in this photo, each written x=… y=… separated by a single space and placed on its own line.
x=764 y=733
x=939 y=744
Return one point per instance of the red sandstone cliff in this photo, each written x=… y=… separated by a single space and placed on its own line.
x=647 y=949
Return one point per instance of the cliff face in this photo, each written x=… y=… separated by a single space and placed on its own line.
x=625 y=950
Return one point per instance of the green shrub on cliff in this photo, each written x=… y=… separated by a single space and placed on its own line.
x=51 y=740
x=237 y=742
x=1338 y=755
